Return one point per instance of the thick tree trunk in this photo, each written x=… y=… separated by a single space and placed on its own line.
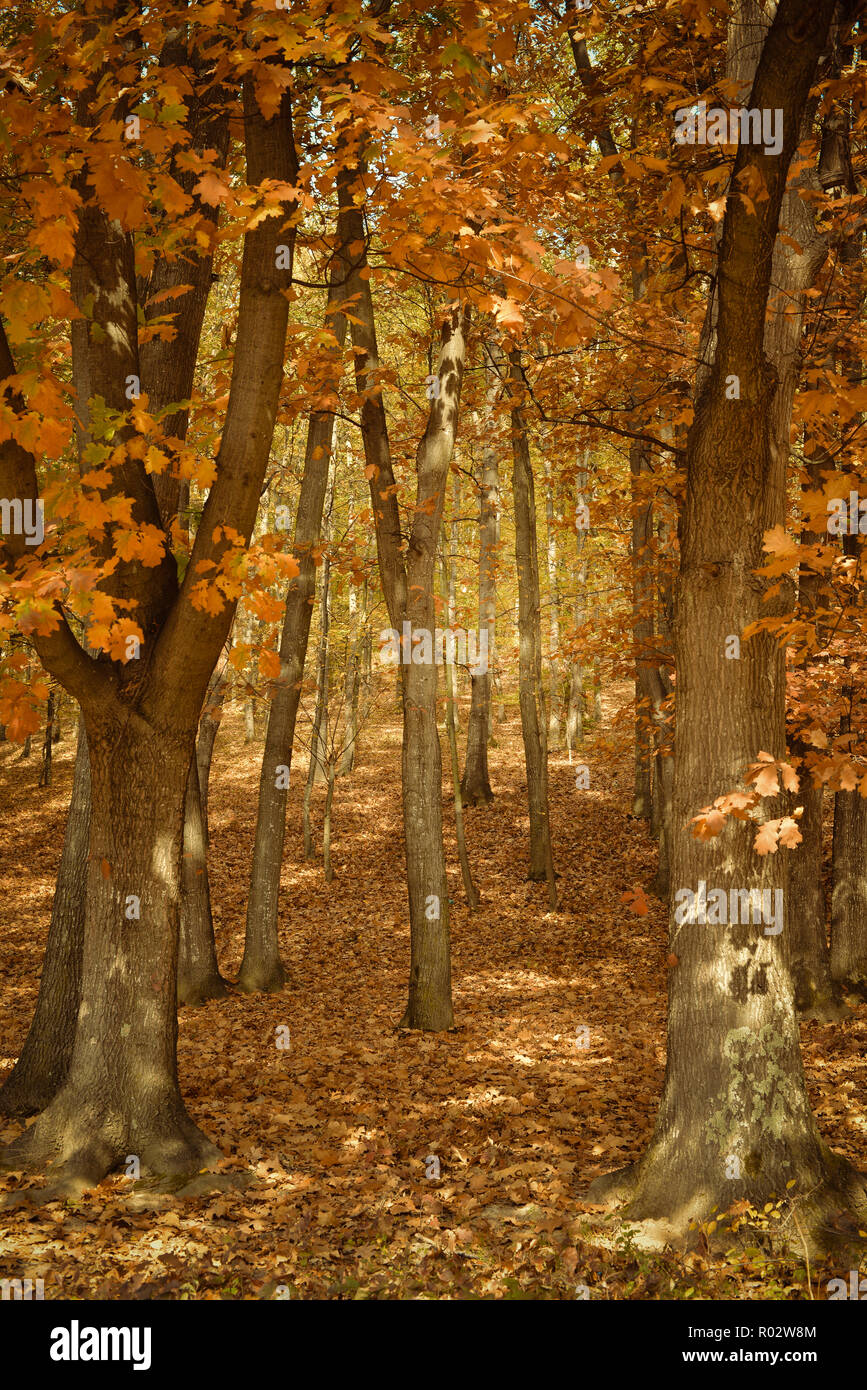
x=44 y=1060
x=734 y=1121
x=121 y=1094
x=530 y=693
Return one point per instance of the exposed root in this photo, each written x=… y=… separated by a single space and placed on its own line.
x=75 y=1146
x=194 y=991
x=827 y=1220
x=262 y=979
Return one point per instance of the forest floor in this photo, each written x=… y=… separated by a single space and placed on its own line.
x=329 y=1142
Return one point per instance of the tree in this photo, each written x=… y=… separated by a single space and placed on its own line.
x=734 y=1121
x=141 y=712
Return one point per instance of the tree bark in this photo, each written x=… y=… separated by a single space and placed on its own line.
x=575 y=713
x=849 y=893
x=555 y=681
x=199 y=977
x=530 y=694
x=642 y=626
x=475 y=784
x=209 y=727
x=45 y=774
x=451 y=729
x=318 y=760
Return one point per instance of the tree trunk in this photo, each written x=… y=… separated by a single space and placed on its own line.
x=209 y=727
x=451 y=728
x=555 y=685
x=575 y=712
x=44 y=1059
x=199 y=978
x=408 y=587
x=475 y=785
x=121 y=1094
x=352 y=675
x=326 y=825
x=531 y=697
x=849 y=893
x=45 y=774
x=734 y=1122
x=642 y=624
x=351 y=690
x=806 y=937
x=318 y=761
x=262 y=968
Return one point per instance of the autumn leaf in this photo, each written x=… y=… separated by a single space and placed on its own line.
x=636 y=900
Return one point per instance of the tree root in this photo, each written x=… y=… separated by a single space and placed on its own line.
x=75 y=1146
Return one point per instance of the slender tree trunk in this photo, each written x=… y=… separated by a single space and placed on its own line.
x=816 y=994
x=351 y=683
x=530 y=648
x=555 y=686
x=247 y=628
x=642 y=623
x=199 y=978
x=209 y=727
x=44 y=1059
x=451 y=727
x=849 y=893
x=408 y=587
x=352 y=675
x=262 y=968
x=45 y=774
x=317 y=761
x=475 y=785
x=575 y=712
x=326 y=825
